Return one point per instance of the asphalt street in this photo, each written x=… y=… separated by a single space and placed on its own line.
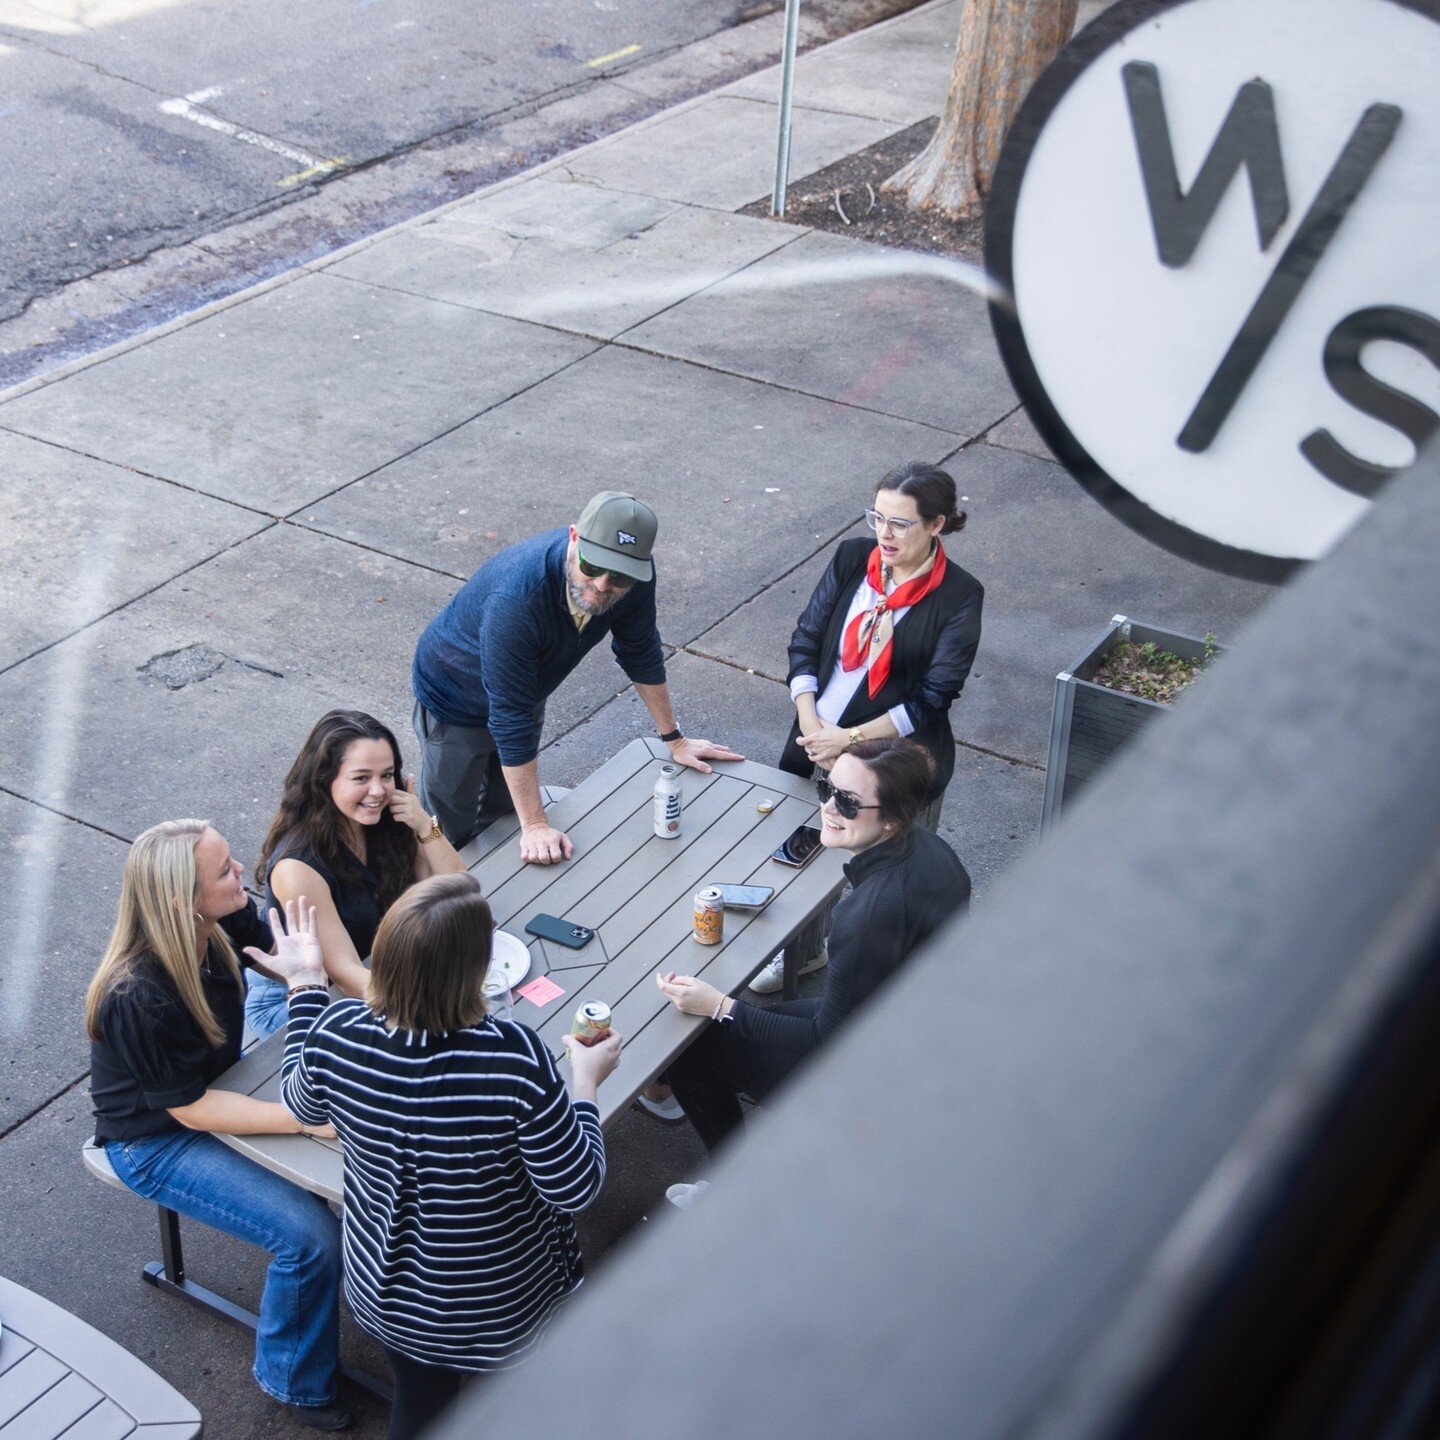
x=137 y=128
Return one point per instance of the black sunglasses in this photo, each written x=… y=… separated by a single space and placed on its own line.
x=594 y=572
x=847 y=804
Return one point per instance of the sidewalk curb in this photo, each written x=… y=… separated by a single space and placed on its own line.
x=287 y=277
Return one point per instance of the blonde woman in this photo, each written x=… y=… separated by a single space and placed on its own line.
x=164 y=1013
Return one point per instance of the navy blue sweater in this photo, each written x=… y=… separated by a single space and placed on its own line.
x=502 y=646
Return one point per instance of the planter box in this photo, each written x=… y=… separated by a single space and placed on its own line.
x=1092 y=722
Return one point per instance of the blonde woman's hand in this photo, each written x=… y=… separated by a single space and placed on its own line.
x=297 y=958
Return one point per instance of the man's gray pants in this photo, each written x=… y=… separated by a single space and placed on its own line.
x=460 y=780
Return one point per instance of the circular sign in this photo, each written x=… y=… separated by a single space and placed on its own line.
x=1216 y=220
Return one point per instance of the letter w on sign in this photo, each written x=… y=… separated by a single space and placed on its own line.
x=1250 y=137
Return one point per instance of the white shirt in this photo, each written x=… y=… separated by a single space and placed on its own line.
x=843 y=684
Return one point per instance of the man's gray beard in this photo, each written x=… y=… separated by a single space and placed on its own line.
x=596 y=606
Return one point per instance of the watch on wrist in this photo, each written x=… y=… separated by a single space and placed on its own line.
x=856 y=736
x=670 y=737
x=434 y=832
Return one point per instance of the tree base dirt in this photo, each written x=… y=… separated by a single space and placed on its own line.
x=845 y=199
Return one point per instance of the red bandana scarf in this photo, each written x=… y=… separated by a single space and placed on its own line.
x=867 y=636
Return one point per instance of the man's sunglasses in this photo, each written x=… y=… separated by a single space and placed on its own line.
x=594 y=572
x=847 y=804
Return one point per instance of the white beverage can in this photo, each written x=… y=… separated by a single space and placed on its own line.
x=667 y=802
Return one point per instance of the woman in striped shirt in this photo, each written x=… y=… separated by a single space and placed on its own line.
x=464 y=1156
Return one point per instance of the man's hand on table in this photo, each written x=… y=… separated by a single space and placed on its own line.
x=542 y=844
x=689 y=995
x=693 y=753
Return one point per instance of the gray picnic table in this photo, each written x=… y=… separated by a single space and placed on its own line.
x=636 y=891
x=61 y=1379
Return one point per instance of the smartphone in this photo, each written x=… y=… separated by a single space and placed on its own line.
x=562 y=932
x=800 y=847
x=746 y=897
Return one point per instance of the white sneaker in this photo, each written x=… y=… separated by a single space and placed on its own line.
x=683 y=1196
x=668 y=1109
x=772 y=977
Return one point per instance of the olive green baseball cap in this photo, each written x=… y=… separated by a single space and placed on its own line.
x=617 y=532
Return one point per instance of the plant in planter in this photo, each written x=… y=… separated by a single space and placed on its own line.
x=1131 y=675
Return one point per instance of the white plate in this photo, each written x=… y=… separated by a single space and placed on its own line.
x=509 y=957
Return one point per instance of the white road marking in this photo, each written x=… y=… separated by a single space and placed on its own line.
x=187 y=109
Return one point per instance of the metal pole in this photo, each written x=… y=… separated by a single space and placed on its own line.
x=787 y=82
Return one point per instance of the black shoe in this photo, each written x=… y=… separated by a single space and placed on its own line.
x=333 y=1416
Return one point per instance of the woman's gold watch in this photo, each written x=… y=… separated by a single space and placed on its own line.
x=856 y=736
x=434 y=833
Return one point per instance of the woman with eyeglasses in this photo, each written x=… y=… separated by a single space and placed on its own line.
x=906 y=881
x=883 y=649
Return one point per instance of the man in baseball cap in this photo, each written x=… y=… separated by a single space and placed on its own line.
x=488 y=662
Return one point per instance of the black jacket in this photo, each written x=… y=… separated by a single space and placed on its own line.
x=931 y=654
x=904 y=890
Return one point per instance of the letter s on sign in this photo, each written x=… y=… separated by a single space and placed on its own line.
x=1373 y=397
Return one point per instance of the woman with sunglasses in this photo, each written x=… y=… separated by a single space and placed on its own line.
x=906 y=881
x=883 y=649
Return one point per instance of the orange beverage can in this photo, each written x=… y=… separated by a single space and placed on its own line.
x=709 y=916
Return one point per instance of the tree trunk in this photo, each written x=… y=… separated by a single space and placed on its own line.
x=1003 y=47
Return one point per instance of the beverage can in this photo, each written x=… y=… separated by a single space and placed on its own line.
x=709 y=916
x=667 y=802
x=592 y=1022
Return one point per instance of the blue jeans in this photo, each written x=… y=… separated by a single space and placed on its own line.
x=267 y=1004
x=297 y=1345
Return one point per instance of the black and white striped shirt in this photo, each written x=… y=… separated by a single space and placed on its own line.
x=464 y=1160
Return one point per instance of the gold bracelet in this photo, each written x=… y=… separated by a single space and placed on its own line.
x=856 y=736
x=435 y=833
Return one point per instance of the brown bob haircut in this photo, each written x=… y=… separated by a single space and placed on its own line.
x=430 y=956
x=904 y=773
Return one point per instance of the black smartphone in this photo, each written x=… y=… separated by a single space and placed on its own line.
x=800 y=847
x=746 y=897
x=562 y=932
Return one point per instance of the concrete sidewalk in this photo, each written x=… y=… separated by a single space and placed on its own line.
x=246 y=517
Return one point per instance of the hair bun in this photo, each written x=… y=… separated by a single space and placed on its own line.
x=954 y=523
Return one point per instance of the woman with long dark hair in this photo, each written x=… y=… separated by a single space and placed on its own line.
x=350 y=836
x=464 y=1156
x=905 y=881
x=884 y=647
x=164 y=1017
